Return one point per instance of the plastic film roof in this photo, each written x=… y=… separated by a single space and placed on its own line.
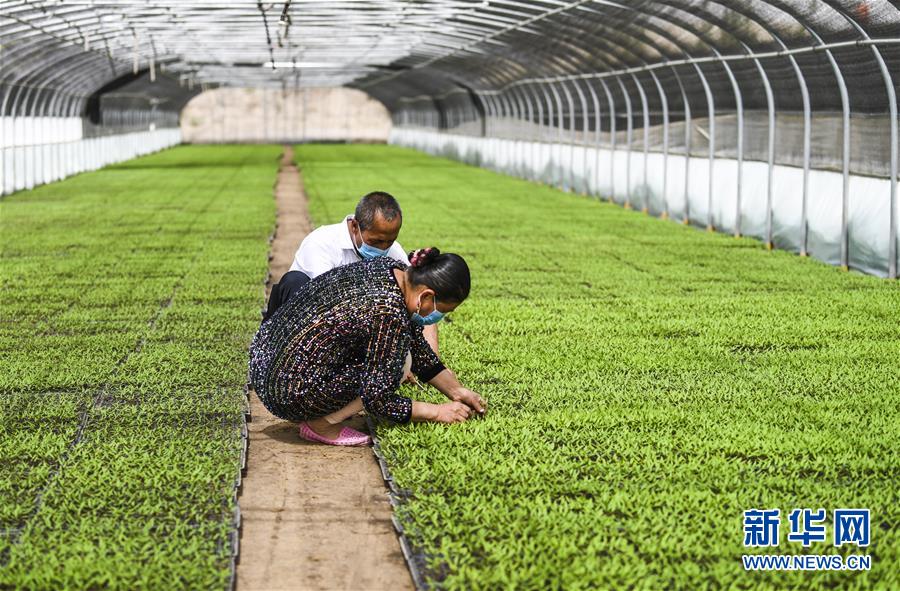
x=55 y=54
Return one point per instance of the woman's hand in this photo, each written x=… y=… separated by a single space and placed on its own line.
x=451 y=412
x=470 y=398
x=447 y=383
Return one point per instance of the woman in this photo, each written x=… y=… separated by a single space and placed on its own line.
x=340 y=343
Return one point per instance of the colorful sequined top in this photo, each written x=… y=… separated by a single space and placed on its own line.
x=344 y=334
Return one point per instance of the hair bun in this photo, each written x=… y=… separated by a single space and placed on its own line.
x=423 y=256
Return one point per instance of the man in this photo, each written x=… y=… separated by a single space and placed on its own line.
x=370 y=232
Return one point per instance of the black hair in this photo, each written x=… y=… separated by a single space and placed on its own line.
x=371 y=204
x=447 y=274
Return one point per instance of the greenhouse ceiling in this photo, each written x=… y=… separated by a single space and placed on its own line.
x=401 y=49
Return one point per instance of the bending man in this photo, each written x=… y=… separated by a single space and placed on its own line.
x=369 y=233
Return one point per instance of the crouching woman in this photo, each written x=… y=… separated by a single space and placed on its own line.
x=349 y=340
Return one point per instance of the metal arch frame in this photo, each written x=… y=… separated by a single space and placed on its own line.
x=739 y=110
x=692 y=32
x=804 y=91
x=498 y=129
x=665 y=109
x=585 y=129
x=525 y=111
x=892 y=111
x=489 y=119
x=497 y=113
x=807 y=125
x=550 y=115
x=84 y=63
x=515 y=126
x=559 y=129
x=572 y=132
x=845 y=108
x=75 y=74
x=628 y=140
x=612 y=138
x=509 y=112
x=20 y=90
x=645 y=114
x=34 y=100
x=617 y=59
x=538 y=130
x=584 y=126
x=595 y=100
x=535 y=119
x=704 y=82
x=13 y=82
x=755 y=57
x=687 y=147
x=675 y=42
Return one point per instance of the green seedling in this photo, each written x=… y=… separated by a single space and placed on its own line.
x=647 y=382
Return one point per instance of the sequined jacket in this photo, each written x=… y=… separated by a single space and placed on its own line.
x=344 y=334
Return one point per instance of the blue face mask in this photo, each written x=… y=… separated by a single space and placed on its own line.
x=370 y=252
x=432 y=318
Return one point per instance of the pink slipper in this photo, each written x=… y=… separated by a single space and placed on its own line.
x=348 y=436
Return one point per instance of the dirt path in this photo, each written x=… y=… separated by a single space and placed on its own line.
x=314 y=516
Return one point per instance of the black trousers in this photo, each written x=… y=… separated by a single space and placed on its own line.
x=290 y=284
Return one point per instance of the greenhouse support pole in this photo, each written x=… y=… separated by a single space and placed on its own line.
x=845 y=164
x=514 y=129
x=516 y=132
x=770 y=181
x=546 y=99
x=664 y=101
x=502 y=124
x=572 y=131
x=612 y=139
x=539 y=147
x=892 y=108
x=595 y=101
x=493 y=144
x=645 y=112
x=559 y=129
x=519 y=110
x=687 y=147
x=739 y=109
x=550 y=118
x=807 y=148
x=533 y=126
x=628 y=135
x=528 y=131
x=711 y=112
x=488 y=127
x=499 y=115
x=584 y=134
x=528 y=167
x=509 y=143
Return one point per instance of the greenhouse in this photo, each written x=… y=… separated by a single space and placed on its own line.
x=643 y=330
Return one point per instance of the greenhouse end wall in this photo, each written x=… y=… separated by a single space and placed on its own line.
x=678 y=187
x=39 y=150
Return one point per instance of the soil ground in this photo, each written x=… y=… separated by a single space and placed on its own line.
x=314 y=516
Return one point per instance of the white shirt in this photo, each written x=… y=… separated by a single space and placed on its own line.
x=331 y=246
